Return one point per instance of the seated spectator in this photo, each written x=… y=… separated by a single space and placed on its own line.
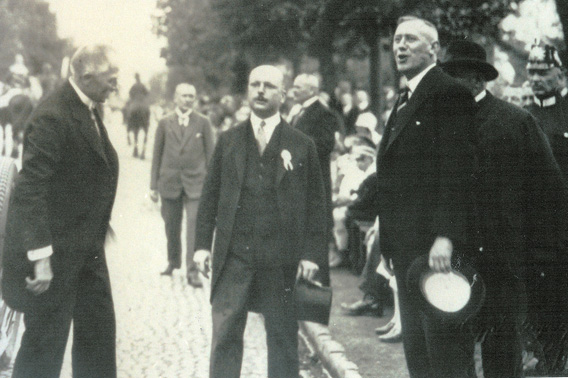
x=366 y=126
x=351 y=178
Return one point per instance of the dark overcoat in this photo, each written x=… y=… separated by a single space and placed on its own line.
x=300 y=196
x=62 y=197
x=425 y=170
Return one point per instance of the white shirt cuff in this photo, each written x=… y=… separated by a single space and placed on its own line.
x=38 y=254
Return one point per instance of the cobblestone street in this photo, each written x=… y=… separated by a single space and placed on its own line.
x=163 y=324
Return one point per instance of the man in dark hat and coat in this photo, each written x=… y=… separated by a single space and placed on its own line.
x=521 y=198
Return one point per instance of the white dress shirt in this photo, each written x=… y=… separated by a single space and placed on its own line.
x=183 y=118
x=270 y=124
x=413 y=83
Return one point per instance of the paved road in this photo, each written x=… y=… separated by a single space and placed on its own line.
x=163 y=324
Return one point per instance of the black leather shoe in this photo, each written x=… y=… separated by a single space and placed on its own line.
x=168 y=272
x=394 y=336
x=384 y=329
x=194 y=280
x=364 y=306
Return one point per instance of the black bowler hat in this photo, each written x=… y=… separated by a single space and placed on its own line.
x=313 y=301
x=471 y=55
x=449 y=297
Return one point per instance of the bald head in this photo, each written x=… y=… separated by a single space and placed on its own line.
x=268 y=71
x=95 y=71
x=266 y=90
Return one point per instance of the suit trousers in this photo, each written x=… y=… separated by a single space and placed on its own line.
x=270 y=290
x=172 y=213
x=89 y=304
x=432 y=348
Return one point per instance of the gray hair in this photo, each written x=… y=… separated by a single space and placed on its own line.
x=311 y=80
x=430 y=29
x=92 y=59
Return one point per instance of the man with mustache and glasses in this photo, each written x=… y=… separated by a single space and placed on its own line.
x=425 y=167
x=264 y=199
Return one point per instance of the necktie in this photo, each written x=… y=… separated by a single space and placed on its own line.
x=184 y=121
x=98 y=121
x=297 y=117
x=261 y=138
x=403 y=98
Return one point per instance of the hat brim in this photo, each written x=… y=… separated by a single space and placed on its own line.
x=487 y=70
x=420 y=270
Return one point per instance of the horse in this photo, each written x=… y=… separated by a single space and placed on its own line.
x=137 y=118
x=13 y=117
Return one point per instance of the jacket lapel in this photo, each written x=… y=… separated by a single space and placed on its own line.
x=240 y=150
x=87 y=127
x=190 y=130
x=406 y=113
x=176 y=127
x=285 y=144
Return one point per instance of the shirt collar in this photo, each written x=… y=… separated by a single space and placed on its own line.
x=82 y=96
x=309 y=101
x=413 y=83
x=564 y=92
x=545 y=103
x=481 y=95
x=270 y=124
x=181 y=114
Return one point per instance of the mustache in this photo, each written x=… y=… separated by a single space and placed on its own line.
x=260 y=98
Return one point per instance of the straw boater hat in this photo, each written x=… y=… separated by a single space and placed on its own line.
x=450 y=297
x=469 y=54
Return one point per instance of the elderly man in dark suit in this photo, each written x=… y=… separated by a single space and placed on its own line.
x=319 y=123
x=182 y=150
x=424 y=173
x=264 y=199
x=54 y=263
x=520 y=196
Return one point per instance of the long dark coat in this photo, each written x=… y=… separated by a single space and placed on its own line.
x=300 y=195
x=63 y=197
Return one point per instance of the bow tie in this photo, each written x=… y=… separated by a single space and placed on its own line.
x=184 y=121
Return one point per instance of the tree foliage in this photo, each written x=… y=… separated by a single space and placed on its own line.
x=29 y=28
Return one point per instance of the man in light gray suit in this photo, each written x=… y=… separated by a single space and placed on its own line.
x=182 y=149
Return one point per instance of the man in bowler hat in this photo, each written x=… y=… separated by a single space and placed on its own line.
x=264 y=199
x=520 y=194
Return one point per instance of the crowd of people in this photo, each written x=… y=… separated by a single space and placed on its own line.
x=282 y=186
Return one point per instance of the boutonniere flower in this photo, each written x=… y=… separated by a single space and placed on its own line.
x=287 y=160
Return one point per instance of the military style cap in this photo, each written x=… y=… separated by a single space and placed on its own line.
x=543 y=56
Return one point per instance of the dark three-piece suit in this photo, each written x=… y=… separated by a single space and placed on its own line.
x=425 y=170
x=266 y=219
x=63 y=197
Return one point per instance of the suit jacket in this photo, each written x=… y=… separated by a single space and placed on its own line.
x=521 y=193
x=425 y=168
x=320 y=124
x=300 y=196
x=63 y=197
x=181 y=156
